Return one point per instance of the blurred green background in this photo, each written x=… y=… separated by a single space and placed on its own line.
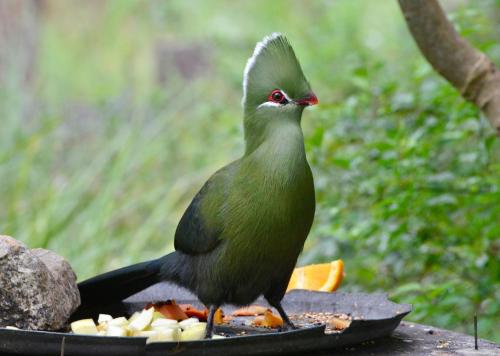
x=113 y=113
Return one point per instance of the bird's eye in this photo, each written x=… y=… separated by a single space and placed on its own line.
x=277 y=96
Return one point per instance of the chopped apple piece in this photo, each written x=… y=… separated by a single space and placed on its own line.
x=104 y=318
x=164 y=335
x=84 y=326
x=143 y=333
x=121 y=321
x=215 y=336
x=116 y=331
x=165 y=323
x=134 y=316
x=142 y=321
x=158 y=315
x=157 y=322
x=12 y=328
x=185 y=324
x=194 y=332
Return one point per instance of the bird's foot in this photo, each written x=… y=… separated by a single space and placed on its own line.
x=208 y=335
x=288 y=326
x=210 y=322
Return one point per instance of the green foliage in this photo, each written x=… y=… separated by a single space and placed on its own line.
x=408 y=191
x=98 y=161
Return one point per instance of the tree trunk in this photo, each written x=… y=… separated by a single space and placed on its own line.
x=469 y=70
x=19 y=31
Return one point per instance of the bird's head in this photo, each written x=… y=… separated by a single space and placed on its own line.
x=273 y=82
x=275 y=90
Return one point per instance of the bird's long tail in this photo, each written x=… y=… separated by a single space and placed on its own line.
x=114 y=286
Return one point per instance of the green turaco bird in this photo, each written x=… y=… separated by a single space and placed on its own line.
x=242 y=233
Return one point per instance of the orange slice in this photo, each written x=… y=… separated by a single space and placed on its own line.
x=250 y=310
x=325 y=277
x=268 y=320
x=169 y=309
x=218 y=317
x=193 y=312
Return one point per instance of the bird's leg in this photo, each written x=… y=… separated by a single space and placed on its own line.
x=287 y=324
x=210 y=321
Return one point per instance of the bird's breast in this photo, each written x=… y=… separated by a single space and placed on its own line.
x=269 y=214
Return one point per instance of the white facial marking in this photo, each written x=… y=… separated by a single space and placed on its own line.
x=269 y=104
x=251 y=61
x=286 y=96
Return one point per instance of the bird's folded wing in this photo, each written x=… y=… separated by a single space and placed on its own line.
x=199 y=230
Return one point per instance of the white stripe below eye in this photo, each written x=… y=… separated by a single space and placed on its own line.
x=269 y=104
x=286 y=96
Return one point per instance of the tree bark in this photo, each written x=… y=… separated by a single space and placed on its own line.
x=467 y=69
x=19 y=32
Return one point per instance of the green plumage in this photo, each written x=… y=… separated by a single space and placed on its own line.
x=242 y=233
x=254 y=214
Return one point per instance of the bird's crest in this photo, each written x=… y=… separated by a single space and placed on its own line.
x=272 y=65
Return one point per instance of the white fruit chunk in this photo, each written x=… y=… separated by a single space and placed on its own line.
x=144 y=333
x=215 y=336
x=158 y=315
x=116 y=331
x=185 y=324
x=121 y=321
x=194 y=332
x=164 y=335
x=104 y=318
x=142 y=321
x=162 y=323
x=84 y=326
x=134 y=316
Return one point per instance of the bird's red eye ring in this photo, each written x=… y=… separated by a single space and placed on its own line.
x=277 y=96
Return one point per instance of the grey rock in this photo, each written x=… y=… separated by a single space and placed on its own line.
x=38 y=288
x=64 y=277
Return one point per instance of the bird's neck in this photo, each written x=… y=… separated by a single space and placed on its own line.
x=277 y=133
x=278 y=152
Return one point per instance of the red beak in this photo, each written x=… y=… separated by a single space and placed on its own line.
x=311 y=99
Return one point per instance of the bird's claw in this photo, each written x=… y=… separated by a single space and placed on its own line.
x=288 y=327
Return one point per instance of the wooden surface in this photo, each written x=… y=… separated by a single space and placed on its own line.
x=419 y=340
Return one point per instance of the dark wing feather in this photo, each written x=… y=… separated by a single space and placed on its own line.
x=193 y=235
